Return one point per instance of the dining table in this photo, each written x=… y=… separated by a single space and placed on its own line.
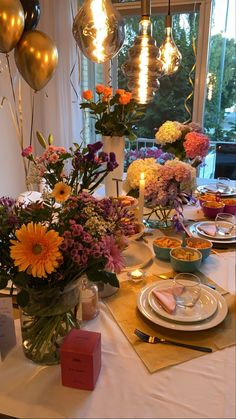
x=201 y=387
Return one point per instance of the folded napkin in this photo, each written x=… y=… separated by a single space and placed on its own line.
x=165 y=297
x=210 y=230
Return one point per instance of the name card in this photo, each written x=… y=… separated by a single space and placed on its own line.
x=7 y=327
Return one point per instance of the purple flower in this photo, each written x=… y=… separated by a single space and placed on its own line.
x=93 y=148
x=103 y=156
x=112 y=157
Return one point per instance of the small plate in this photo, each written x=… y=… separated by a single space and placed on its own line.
x=193 y=231
x=211 y=188
x=147 y=311
x=136 y=256
x=217 y=236
x=204 y=307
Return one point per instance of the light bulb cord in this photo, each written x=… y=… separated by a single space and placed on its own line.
x=169 y=7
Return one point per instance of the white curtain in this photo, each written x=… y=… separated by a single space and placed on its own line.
x=57 y=106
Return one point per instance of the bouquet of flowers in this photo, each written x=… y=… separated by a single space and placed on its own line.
x=187 y=142
x=167 y=186
x=46 y=246
x=115 y=115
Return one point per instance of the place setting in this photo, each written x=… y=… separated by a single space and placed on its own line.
x=221 y=186
x=222 y=230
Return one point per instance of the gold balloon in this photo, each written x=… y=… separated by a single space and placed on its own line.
x=12 y=22
x=36 y=58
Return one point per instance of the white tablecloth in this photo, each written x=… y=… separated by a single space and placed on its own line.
x=201 y=388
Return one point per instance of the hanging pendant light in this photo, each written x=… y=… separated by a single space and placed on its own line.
x=170 y=55
x=98 y=30
x=143 y=66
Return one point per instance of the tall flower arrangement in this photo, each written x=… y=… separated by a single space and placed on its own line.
x=115 y=115
x=187 y=142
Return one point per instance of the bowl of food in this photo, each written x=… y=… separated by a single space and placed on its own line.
x=185 y=259
x=230 y=206
x=212 y=208
x=163 y=245
x=127 y=201
x=203 y=245
x=206 y=197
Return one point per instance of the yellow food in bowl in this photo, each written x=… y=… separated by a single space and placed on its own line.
x=230 y=201
x=197 y=244
x=207 y=197
x=185 y=254
x=213 y=204
x=167 y=242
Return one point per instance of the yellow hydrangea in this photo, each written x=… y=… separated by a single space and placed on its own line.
x=169 y=132
x=147 y=166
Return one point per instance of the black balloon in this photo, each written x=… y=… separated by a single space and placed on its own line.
x=32 y=13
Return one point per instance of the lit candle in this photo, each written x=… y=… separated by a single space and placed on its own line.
x=141 y=197
x=137 y=274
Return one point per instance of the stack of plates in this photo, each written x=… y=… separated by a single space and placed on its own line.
x=196 y=231
x=213 y=189
x=210 y=310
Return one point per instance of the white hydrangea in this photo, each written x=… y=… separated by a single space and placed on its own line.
x=147 y=166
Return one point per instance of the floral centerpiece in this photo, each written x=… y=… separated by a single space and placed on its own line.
x=144 y=153
x=115 y=117
x=167 y=186
x=46 y=246
x=185 y=141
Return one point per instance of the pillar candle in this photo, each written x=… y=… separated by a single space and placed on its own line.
x=141 y=197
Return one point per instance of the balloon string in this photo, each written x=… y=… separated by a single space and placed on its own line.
x=12 y=87
x=32 y=120
x=73 y=67
x=191 y=83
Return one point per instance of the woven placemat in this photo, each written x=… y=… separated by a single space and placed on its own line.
x=124 y=309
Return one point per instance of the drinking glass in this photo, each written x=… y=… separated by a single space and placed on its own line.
x=222 y=184
x=186 y=289
x=225 y=223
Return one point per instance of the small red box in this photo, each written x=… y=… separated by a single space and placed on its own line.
x=81 y=359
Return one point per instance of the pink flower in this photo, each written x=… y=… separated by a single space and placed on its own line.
x=112 y=254
x=27 y=151
x=196 y=144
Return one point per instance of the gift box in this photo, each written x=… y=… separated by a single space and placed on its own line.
x=81 y=359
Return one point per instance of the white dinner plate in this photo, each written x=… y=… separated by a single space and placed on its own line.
x=213 y=188
x=217 y=236
x=204 y=307
x=145 y=308
x=136 y=256
x=193 y=231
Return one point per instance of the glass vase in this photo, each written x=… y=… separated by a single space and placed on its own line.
x=47 y=319
x=158 y=217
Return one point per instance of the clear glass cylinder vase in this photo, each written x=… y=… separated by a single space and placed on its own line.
x=48 y=317
x=158 y=217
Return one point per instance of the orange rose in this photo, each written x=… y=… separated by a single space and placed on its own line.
x=124 y=99
x=107 y=92
x=100 y=88
x=120 y=92
x=87 y=94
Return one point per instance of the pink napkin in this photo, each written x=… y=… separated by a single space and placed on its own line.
x=165 y=297
x=210 y=230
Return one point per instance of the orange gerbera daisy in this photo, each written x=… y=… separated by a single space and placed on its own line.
x=61 y=192
x=36 y=250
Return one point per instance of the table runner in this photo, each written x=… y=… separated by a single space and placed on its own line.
x=155 y=357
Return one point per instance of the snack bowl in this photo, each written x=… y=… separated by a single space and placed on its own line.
x=230 y=206
x=185 y=259
x=203 y=245
x=212 y=208
x=127 y=201
x=163 y=245
x=206 y=197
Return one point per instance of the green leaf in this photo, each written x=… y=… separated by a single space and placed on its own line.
x=50 y=139
x=20 y=279
x=134 y=193
x=104 y=276
x=22 y=298
x=41 y=139
x=3 y=282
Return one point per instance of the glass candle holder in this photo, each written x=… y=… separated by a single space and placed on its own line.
x=89 y=300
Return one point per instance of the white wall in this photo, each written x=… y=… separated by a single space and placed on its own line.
x=56 y=108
